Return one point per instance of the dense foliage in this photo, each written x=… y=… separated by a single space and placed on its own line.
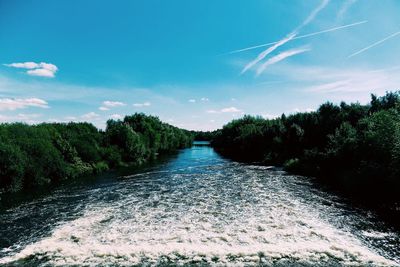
x=355 y=147
x=203 y=136
x=37 y=155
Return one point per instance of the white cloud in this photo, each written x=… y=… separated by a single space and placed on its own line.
x=145 y=104
x=48 y=66
x=42 y=69
x=25 y=65
x=107 y=105
x=90 y=115
x=41 y=72
x=116 y=116
x=230 y=110
x=224 y=110
x=112 y=104
x=192 y=100
x=205 y=99
x=19 y=103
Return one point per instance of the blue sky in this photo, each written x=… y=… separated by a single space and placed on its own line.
x=94 y=60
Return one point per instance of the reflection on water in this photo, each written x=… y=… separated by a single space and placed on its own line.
x=196 y=208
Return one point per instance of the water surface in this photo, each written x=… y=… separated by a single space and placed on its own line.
x=195 y=209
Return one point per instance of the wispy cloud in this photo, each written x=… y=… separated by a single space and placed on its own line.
x=145 y=104
x=42 y=69
x=301 y=36
x=375 y=44
x=345 y=6
x=332 y=86
x=280 y=57
x=192 y=100
x=205 y=99
x=350 y=84
x=20 y=103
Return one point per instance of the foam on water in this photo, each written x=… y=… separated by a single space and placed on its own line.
x=216 y=214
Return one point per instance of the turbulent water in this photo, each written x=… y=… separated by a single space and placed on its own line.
x=196 y=208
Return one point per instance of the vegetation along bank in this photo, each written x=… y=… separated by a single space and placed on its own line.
x=33 y=156
x=352 y=147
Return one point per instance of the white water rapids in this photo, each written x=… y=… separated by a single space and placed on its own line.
x=199 y=209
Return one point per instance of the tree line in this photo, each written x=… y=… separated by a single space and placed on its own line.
x=32 y=156
x=353 y=147
x=203 y=135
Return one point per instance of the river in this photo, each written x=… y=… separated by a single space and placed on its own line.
x=195 y=208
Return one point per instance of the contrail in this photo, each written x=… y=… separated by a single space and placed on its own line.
x=262 y=55
x=374 y=44
x=289 y=37
x=301 y=36
x=280 y=57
